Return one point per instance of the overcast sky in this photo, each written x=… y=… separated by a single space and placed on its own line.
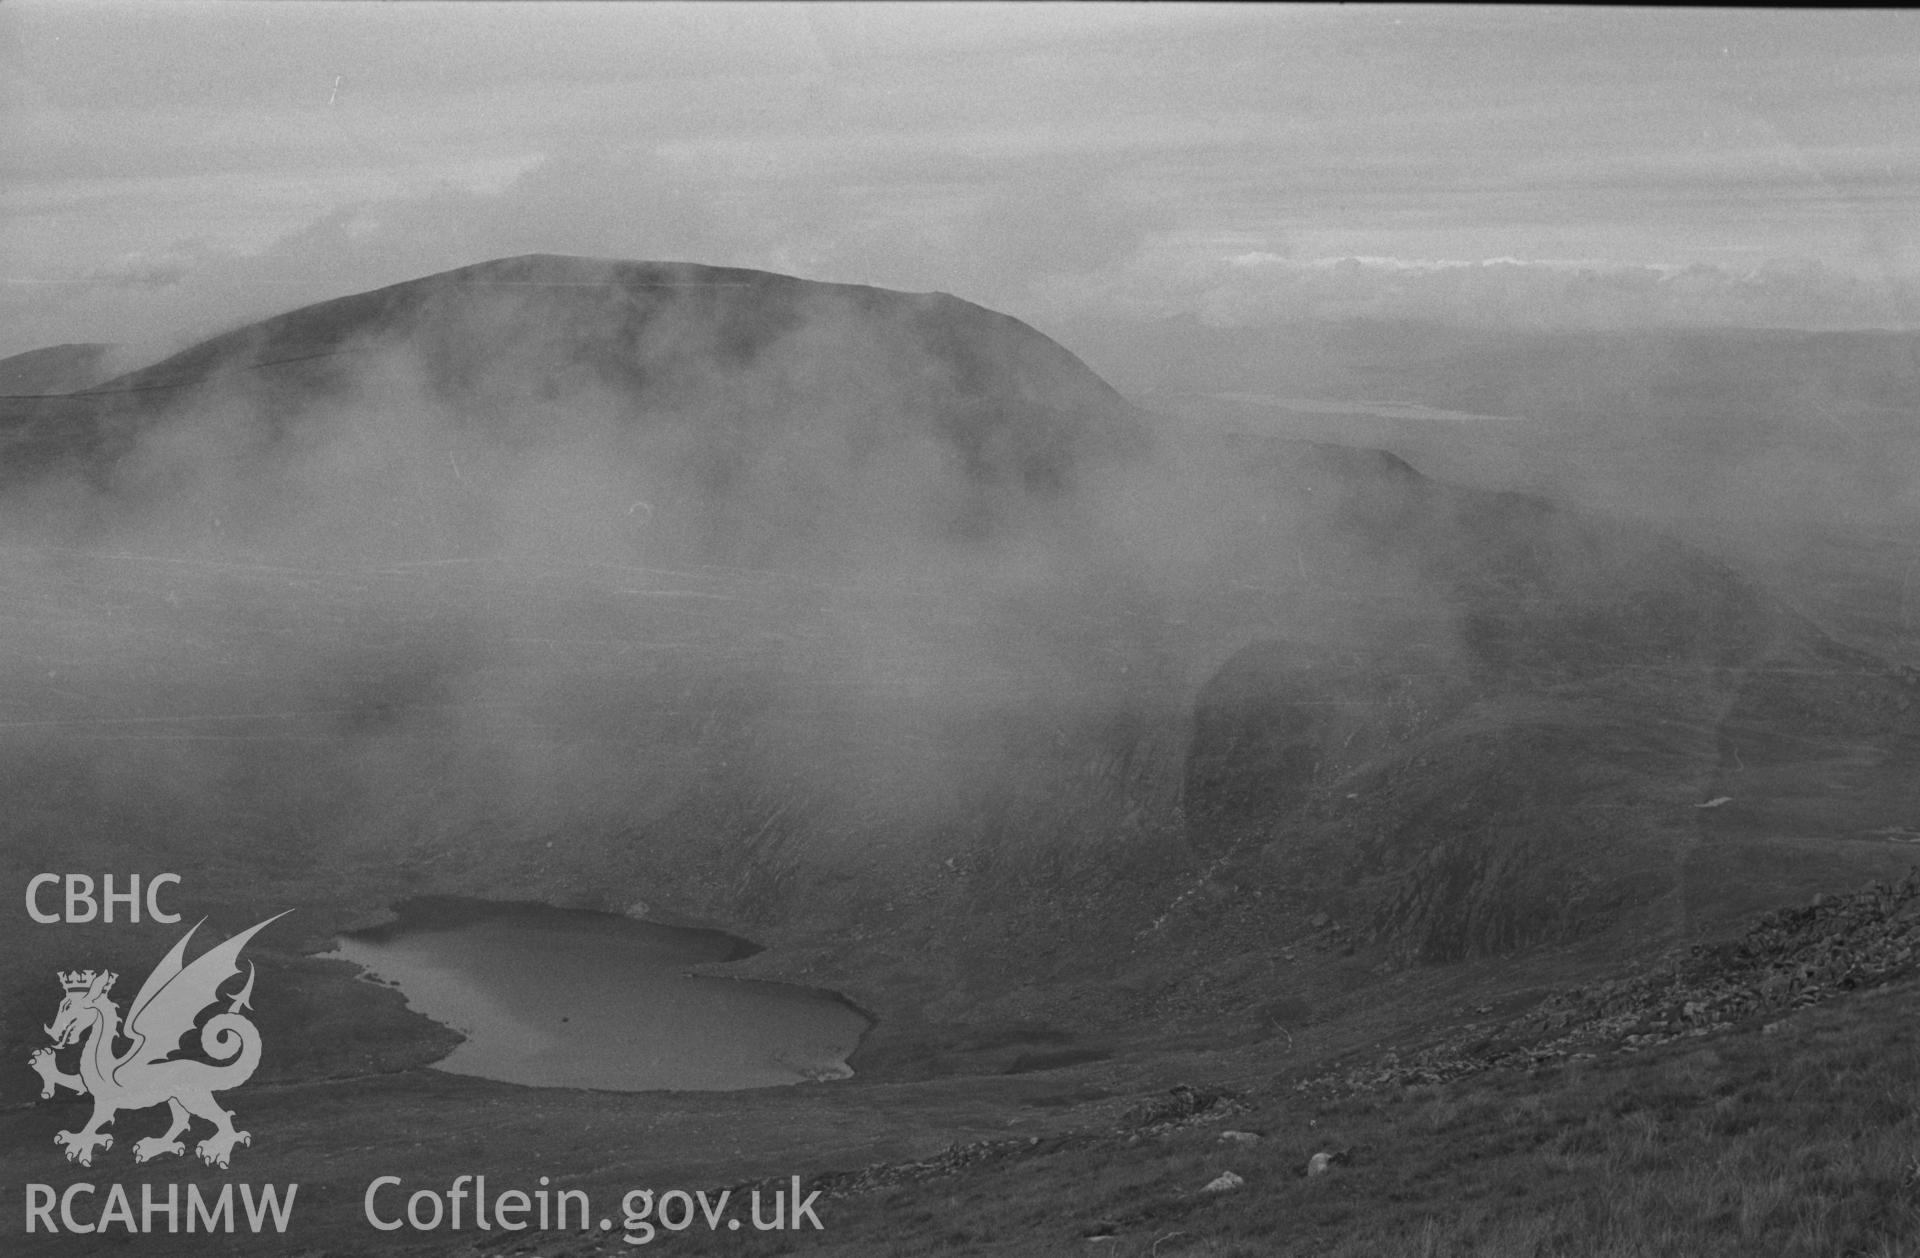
x=168 y=168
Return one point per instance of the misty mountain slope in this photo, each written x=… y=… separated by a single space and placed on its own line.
x=1789 y=453
x=877 y=627
x=786 y=401
x=1542 y=777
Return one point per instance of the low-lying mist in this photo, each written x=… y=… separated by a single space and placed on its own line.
x=1792 y=453
x=530 y=563
x=757 y=600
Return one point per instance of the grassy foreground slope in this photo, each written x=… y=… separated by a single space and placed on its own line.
x=1762 y=1096
x=1798 y=1142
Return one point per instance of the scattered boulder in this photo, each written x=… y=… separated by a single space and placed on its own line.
x=1239 y=1137
x=1226 y=1181
x=1324 y=1161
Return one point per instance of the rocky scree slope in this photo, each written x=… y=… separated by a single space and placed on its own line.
x=1789 y=958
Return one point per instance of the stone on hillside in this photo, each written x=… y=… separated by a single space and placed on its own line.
x=1320 y=1164
x=1239 y=1137
x=1226 y=1181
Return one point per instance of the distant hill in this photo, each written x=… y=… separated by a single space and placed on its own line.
x=743 y=385
x=55 y=369
x=1788 y=452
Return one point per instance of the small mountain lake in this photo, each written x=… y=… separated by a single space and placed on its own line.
x=568 y=998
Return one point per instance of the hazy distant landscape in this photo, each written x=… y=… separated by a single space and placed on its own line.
x=1788 y=451
x=1075 y=742
x=1139 y=630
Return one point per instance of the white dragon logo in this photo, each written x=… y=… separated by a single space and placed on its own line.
x=169 y=1003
